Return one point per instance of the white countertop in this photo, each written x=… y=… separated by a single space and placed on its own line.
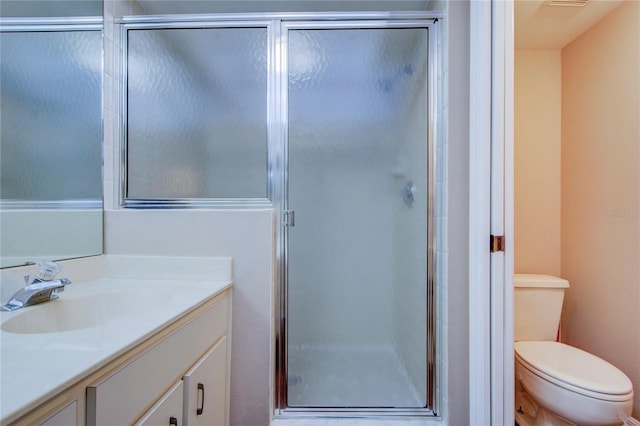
x=36 y=366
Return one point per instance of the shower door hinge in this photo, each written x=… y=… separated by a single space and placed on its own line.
x=497 y=243
x=288 y=218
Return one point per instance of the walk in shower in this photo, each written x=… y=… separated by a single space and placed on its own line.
x=357 y=301
x=328 y=119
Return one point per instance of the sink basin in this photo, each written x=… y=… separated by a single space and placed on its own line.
x=75 y=313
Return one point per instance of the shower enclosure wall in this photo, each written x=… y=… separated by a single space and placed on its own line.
x=341 y=110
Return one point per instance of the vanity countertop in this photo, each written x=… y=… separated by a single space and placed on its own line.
x=37 y=363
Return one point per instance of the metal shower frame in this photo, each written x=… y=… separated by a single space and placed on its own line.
x=354 y=21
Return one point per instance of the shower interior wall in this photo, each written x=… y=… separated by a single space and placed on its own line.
x=410 y=254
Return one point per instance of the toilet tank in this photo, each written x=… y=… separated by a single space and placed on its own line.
x=537 y=304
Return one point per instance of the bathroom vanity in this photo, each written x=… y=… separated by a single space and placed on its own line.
x=127 y=348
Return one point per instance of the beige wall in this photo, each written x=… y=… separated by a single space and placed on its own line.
x=600 y=191
x=537 y=161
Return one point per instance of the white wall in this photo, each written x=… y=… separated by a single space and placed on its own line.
x=601 y=191
x=537 y=161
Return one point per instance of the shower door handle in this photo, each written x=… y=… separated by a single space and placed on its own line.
x=288 y=218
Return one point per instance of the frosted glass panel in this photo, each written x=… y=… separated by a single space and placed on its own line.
x=197 y=111
x=50 y=115
x=357 y=265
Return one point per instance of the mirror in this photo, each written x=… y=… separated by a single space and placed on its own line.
x=51 y=130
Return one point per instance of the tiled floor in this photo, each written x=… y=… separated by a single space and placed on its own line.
x=349 y=377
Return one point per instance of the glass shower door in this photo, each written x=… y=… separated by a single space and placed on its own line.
x=358 y=184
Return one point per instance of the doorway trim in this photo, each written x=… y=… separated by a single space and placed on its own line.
x=491 y=376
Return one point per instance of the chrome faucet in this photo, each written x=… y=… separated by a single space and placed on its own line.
x=41 y=289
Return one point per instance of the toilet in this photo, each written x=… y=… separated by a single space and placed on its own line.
x=557 y=384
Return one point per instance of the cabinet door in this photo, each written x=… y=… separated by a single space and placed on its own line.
x=64 y=417
x=206 y=388
x=123 y=396
x=167 y=411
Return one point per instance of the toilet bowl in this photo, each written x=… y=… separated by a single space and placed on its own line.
x=570 y=386
x=557 y=384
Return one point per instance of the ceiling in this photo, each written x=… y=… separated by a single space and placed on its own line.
x=541 y=26
x=537 y=25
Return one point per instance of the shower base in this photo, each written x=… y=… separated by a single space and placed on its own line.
x=349 y=377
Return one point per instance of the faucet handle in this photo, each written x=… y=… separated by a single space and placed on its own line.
x=47 y=271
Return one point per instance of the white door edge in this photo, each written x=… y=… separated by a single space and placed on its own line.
x=491 y=376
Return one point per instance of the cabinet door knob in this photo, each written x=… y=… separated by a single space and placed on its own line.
x=201 y=409
x=173 y=421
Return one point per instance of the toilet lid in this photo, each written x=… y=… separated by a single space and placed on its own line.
x=573 y=366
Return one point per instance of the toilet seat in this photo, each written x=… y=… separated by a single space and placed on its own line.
x=574 y=369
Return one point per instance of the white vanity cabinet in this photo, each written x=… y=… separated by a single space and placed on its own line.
x=149 y=389
x=167 y=411
x=205 y=388
x=64 y=417
x=199 y=399
x=122 y=346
